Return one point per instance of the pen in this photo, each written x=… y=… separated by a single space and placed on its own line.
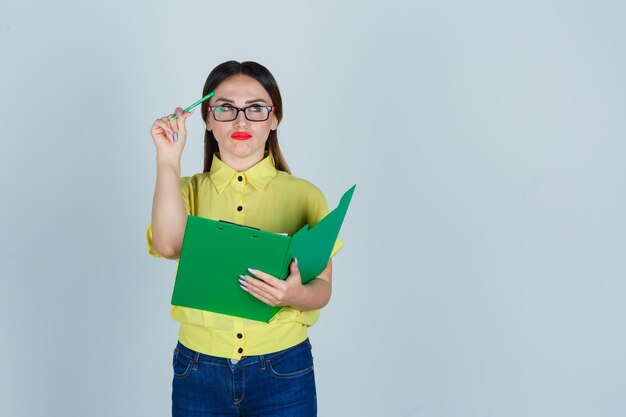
x=205 y=98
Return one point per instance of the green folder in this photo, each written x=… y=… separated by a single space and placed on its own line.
x=215 y=253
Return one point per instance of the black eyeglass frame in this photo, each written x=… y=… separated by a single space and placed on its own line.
x=242 y=109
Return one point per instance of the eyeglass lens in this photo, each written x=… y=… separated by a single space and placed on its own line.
x=228 y=113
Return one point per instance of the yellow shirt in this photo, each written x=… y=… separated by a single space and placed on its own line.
x=270 y=200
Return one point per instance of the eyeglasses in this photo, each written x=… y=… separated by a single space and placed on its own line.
x=253 y=113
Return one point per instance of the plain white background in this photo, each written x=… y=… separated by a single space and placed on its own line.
x=483 y=272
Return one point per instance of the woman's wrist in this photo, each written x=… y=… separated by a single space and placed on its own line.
x=166 y=162
x=312 y=296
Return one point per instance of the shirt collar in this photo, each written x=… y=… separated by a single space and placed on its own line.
x=258 y=175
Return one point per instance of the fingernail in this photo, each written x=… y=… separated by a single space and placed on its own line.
x=296 y=259
x=175 y=136
x=243 y=277
x=252 y=270
x=244 y=288
x=169 y=130
x=179 y=113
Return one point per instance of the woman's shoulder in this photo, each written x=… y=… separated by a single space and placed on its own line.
x=195 y=179
x=305 y=195
x=298 y=186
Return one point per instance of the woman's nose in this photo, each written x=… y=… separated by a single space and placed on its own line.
x=241 y=119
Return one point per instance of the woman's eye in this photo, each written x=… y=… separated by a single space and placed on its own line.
x=255 y=108
x=223 y=109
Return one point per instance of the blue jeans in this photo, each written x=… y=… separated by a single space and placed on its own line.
x=280 y=384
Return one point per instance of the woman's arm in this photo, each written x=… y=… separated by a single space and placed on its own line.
x=168 y=209
x=291 y=292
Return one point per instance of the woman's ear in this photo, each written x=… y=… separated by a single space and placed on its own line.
x=274 y=122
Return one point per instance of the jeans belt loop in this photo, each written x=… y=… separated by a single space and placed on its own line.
x=195 y=359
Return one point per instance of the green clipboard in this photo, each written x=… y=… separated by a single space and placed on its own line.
x=215 y=253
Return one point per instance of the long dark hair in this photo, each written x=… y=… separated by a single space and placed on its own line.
x=266 y=79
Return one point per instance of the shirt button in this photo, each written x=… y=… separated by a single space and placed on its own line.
x=240 y=350
x=239 y=208
x=239 y=335
x=240 y=178
x=234 y=361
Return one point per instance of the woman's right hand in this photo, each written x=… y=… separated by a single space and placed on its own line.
x=170 y=135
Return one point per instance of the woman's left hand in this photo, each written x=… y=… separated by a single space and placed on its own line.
x=274 y=291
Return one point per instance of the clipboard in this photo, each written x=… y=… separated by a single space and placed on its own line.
x=215 y=253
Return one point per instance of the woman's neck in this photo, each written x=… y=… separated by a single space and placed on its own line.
x=241 y=164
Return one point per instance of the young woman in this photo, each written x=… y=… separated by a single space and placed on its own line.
x=224 y=365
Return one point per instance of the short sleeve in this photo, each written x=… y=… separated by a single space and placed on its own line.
x=188 y=192
x=151 y=250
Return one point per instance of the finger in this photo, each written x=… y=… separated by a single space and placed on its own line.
x=258 y=293
x=294 y=273
x=259 y=286
x=169 y=117
x=255 y=286
x=293 y=268
x=161 y=128
x=182 y=122
x=269 y=279
x=162 y=123
x=185 y=116
x=165 y=124
x=174 y=122
x=261 y=297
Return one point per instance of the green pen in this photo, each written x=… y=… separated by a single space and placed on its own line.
x=203 y=99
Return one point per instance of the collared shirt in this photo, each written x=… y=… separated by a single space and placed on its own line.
x=260 y=197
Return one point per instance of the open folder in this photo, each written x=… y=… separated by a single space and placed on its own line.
x=215 y=253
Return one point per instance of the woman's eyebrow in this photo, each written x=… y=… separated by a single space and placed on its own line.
x=227 y=100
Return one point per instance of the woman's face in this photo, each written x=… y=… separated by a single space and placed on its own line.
x=241 y=142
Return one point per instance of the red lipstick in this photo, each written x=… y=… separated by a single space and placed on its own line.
x=240 y=136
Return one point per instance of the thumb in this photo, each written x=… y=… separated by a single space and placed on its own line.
x=294 y=271
x=182 y=118
x=180 y=122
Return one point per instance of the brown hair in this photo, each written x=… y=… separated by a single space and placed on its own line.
x=265 y=78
